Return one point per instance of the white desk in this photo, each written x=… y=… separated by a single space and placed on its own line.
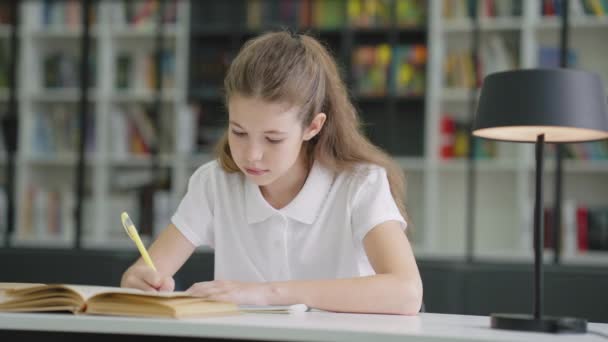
x=310 y=326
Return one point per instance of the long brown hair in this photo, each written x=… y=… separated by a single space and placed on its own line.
x=296 y=69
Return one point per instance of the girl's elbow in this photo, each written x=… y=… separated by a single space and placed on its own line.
x=411 y=292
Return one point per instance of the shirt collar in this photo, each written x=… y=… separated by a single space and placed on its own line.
x=258 y=209
x=304 y=207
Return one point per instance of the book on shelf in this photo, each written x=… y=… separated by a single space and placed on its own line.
x=410 y=13
x=316 y=14
x=137 y=70
x=583 y=227
x=207 y=74
x=163 y=210
x=591 y=8
x=134 y=132
x=124 y=71
x=369 y=13
x=380 y=69
x=455 y=140
x=4 y=63
x=592 y=228
x=143 y=130
x=3 y=149
x=198 y=132
x=126 y=195
x=142 y=14
x=122 y=199
x=497 y=53
x=549 y=57
x=209 y=127
x=370 y=68
x=167 y=70
x=294 y=13
x=113 y=301
x=65 y=13
x=3 y=209
x=61 y=69
x=186 y=125
x=5 y=13
x=459 y=70
x=47 y=212
x=587 y=151
x=466 y=9
x=330 y=14
x=56 y=132
x=408 y=70
x=597 y=150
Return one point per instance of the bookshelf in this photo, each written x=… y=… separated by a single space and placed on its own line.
x=519 y=30
x=199 y=40
x=5 y=38
x=50 y=41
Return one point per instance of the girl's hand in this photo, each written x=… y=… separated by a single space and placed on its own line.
x=232 y=291
x=144 y=278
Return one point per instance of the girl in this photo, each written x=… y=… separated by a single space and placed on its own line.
x=299 y=206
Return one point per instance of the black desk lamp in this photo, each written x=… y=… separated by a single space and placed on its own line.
x=541 y=105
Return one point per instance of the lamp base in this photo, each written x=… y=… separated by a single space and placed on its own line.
x=544 y=324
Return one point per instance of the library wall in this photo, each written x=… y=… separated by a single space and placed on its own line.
x=155 y=110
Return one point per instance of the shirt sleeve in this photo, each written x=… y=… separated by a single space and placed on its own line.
x=372 y=203
x=194 y=214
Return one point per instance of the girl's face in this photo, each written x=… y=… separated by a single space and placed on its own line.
x=265 y=138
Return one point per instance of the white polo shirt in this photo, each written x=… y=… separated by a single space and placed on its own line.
x=318 y=235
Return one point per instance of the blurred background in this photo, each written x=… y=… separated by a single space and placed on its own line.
x=110 y=105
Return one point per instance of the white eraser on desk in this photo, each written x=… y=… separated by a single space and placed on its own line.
x=298 y=308
x=275 y=308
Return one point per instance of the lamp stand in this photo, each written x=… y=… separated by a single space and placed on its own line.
x=537 y=322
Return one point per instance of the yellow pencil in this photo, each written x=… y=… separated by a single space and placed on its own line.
x=132 y=232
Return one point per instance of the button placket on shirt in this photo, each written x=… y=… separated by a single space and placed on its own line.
x=284 y=270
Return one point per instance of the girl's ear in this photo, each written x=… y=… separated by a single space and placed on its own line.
x=315 y=126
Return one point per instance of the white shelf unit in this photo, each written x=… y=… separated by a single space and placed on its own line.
x=436 y=187
x=5 y=35
x=101 y=219
x=504 y=184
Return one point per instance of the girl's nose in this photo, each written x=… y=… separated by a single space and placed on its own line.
x=254 y=153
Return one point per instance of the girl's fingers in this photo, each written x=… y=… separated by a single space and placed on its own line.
x=168 y=285
x=206 y=289
x=222 y=297
x=139 y=283
x=198 y=288
x=153 y=279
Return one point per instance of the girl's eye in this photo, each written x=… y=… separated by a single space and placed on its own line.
x=238 y=134
x=274 y=141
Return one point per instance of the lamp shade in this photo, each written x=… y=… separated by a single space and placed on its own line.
x=563 y=104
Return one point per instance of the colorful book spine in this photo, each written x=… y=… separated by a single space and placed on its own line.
x=381 y=69
x=455 y=140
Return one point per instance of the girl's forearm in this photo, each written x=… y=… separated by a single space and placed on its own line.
x=382 y=293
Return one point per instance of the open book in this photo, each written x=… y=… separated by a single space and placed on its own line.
x=83 y=299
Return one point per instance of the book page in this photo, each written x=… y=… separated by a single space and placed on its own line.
x=11 y=286
x=25 y=292
x=89 y=291
x=84 y=292
x=38 y=297
x=156 y=306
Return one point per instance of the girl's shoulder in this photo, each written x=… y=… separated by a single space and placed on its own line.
x=213 y=172
x=208 y=169
x=362 y=173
